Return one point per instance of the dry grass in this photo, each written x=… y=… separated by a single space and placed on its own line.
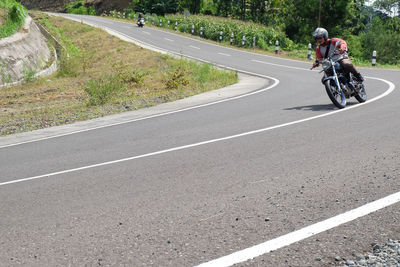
x=3 y=14
x=60 y=99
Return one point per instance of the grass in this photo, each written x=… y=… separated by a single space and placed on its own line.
x=12 y=17
x=101 y=75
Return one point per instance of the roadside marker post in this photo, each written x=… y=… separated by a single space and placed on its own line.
x=374 y=58
x=276 y=47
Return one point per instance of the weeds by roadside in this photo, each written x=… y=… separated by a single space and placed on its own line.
x=101 y=75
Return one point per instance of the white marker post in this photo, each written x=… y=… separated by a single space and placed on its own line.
x=243 y=40
x=373 y=58
x=309 y=51
x=276 y=47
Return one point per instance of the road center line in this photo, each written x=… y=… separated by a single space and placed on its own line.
x=223 y=54
x=169 y=40
x=279 y=65
x=388 y=91
x=290 y=238
x=195 y=47
x=146 y=33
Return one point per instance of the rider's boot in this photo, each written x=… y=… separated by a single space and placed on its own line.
x=359 y=78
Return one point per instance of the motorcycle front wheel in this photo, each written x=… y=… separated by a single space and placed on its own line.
x=337 y=96
x=361 y=95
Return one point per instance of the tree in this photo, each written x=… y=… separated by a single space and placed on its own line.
x=159 y=7
x=391 y=7
x=193 y=6
x=301 y=17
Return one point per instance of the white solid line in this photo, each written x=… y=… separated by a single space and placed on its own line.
x=391 y=88
x=290 y=238
x=276 y=82
x=169 y=40
x=195 y=47
x=223 y=54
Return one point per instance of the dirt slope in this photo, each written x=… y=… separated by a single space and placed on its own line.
x=58 y=5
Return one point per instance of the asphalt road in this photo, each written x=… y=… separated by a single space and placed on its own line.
x=193 y=186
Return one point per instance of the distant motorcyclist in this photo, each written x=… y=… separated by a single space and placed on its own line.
x=139 y=17
x=326 y=49
x=140 y=21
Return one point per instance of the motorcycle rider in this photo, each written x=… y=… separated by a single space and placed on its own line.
x=140 y=16
x=325 y=49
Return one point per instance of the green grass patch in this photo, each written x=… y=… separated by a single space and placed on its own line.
x=101 y=75
x=80 y=7
x=12 y=17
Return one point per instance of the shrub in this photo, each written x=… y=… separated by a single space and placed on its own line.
x=101 y=90
x=80 y=7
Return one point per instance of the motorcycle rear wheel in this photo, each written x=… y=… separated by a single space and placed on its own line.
x=336 y=96
x=361 y=95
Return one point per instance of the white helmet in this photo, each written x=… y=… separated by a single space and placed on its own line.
x=320 y=32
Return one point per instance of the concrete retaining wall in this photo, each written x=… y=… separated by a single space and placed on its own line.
x=23 y=53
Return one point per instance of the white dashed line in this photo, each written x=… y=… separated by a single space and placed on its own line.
x=195 y=47
x=223 y=54
x=279 y=65
x=146 y=33
x=169 y=40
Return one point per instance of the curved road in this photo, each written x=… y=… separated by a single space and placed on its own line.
x=229 y=182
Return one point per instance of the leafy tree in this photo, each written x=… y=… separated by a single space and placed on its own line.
x=159 y=7
x=193 y=6
x=391 y=7
x=384 y=37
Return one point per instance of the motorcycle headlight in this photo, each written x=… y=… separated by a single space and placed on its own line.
x=326 y=64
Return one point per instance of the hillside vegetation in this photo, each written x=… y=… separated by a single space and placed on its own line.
x=101 y=75
x=365 y=28
x=12 y=17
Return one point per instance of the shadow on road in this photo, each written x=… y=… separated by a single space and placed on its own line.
x=318 y=107
x=314 y=107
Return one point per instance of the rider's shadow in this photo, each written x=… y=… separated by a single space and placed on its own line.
x=318 y=107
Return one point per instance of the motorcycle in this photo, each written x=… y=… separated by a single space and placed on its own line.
x=141 y=22
x=340 y=85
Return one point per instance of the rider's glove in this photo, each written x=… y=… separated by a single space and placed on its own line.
x=316 y=63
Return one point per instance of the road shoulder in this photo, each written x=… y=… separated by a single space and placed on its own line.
x=246 y=84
